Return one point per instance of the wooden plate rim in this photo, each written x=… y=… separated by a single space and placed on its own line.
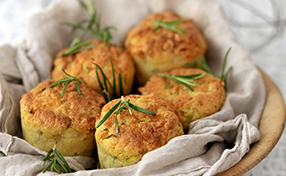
x=271 y=127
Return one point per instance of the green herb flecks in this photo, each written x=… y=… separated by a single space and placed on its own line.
x=224 y=74
x=77 y=46
x=104 y=83
x=186 y=80
x=92 y=25
x=65 y=82
x=121 y=105
x=170 y=25
x=58 y=162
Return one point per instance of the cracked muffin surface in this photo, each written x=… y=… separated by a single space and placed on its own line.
x=81 y=65
x=46 y=117
x=139 y=133
x=205 y=99
x=163 y=50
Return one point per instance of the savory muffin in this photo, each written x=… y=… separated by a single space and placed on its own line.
x=138 y=133
x=205 y=99
x=81 y=65
x=163 y=49
x=46 y=117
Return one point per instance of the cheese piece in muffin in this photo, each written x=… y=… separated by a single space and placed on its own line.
x=139 y=133
x=81 y=65
x=46 y=117
x=163 y=50
x=205 y=99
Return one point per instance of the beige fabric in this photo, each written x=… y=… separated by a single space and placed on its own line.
x=213 y=144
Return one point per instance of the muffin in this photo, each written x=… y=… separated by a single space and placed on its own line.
x=205 y=99
x=163 y=50
x=139 y=133
x=46 y=117
x=81 y=65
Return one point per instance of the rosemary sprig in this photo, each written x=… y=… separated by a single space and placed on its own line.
x=202 y=64
x=77 y=46
x=92 y=25
x=121 y=105
x=104 y=84
x=186 y=80
x=170 y=25
x=57 y=161
x=65 y=82
x=223 y=74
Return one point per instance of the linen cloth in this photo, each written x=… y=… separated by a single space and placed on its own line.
x=214 y=143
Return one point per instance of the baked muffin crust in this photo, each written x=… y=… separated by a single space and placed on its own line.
x=46 y=117
x=81 y=65
x=163 y=50
x=138 y=133
x=206 y=99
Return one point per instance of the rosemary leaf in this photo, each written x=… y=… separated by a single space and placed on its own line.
x=64 y=88
x=186 y=80
x=57 y=168
x=116 y=123
x=194 y=76
x=63 y=160
x=224 y=63
x=61 y=164
x=107 y=95
x=49 y=166
x=66 y=81
x=82 y=4
x=77 y=47
x=223 y=74
x=186 y=85
x=137 y=108
x=126 y=104
x=104 y=84
x=77 y=88
x=53 y=165
x=108 y=114
x=120 y=84
x=97 y=76
x=202 y=64
x=114 y=81
x=170 y=25
x=121 y=105
x=48 y=154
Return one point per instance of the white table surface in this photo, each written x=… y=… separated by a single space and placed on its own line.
x=259 y=26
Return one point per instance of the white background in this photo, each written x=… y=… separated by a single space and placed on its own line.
x=258 y=24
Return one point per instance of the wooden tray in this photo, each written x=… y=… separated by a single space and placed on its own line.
x=271 y=127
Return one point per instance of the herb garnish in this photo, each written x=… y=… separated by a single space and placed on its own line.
x=170 y=25
x=77 y=46
x=202 y=64
x=123 y=104
x=65 y=82
x=186 y=80
x=57 y=161
x=92 y=24
x=223 y=74
x=106 y=82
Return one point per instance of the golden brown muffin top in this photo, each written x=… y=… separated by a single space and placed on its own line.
x=81 y=64
x=45 y=107
x=138 y=133
x=171 y=89
x=207 y=97
x=141 y=40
